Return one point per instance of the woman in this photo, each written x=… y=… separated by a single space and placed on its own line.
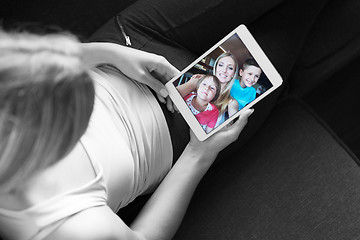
x=226 y=70
x=78 y=142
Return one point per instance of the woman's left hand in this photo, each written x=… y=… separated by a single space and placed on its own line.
x=147 y=68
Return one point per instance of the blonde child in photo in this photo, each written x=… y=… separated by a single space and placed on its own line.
x=200 y=101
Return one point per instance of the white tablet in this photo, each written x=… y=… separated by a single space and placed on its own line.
x=230 y=77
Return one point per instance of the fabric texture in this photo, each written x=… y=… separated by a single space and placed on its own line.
x=129 y=146
x=83 y=17
x=137 y=118
x=293 y=180
x=40 y=220
x=331 y=45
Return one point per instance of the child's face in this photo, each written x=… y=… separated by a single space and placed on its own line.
x=250 y=75
x=225 y=69
x=207 y=90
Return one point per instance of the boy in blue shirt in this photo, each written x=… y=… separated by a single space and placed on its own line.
x=243 y=90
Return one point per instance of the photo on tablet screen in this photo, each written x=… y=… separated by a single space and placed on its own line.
x=222 y=83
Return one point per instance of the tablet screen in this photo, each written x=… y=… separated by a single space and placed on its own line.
x=231 y=76
x=228 y=73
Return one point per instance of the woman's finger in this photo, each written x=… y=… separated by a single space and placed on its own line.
x=156 y=85
x=170 y=105
x=163 y=70
x=161 y=98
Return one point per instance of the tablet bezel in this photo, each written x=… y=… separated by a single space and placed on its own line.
x=257 y=53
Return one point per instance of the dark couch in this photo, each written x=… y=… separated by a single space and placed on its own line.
x=296 y=173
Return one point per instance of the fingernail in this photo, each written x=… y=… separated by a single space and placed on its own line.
x=164 y=92
x=252 y=111
x=162 y=100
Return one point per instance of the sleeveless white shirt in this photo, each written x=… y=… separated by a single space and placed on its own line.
x=128 y=144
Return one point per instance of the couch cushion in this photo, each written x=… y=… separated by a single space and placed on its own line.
x=333 y=42
x=81 y=17
x=294 y=180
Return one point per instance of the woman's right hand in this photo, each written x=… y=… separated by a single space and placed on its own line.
x=220 y=140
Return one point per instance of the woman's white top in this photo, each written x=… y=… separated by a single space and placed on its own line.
x=128 y=144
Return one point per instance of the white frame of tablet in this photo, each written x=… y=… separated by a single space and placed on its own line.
x=257 y=53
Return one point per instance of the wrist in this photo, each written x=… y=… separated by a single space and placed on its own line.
x=200 y=154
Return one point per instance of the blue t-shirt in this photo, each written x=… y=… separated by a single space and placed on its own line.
x=242 y=95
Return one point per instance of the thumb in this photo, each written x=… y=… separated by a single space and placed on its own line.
x=163 y=70
x=160 y=75
x=156 y=85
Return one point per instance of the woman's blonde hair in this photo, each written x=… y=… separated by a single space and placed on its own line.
x=46 y=99
x=224 y=99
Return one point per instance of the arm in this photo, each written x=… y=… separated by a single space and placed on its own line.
x=163 y=213
x=189 y=86
x=150 y=69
